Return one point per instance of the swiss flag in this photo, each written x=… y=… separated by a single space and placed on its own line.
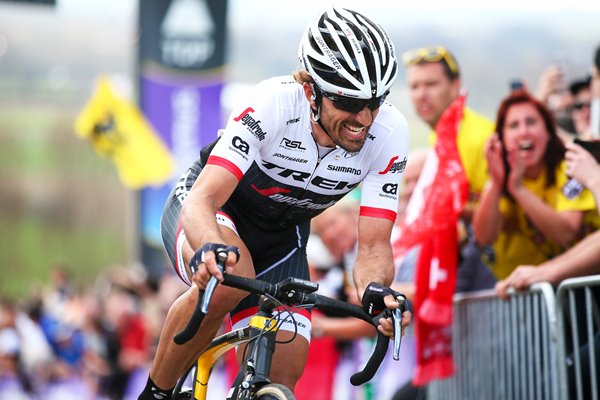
x=430 y=220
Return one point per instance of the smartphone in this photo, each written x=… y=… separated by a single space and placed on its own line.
x=592 y=147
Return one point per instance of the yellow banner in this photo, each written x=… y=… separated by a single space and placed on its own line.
x=118 y=130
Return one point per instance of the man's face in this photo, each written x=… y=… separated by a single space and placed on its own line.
x=431 y=90
x=581 y=110
x=338 y=229
x=347 y=130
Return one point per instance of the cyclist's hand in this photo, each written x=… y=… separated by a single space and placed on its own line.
x=386 y=325
x=203 y=264
x=377 y=298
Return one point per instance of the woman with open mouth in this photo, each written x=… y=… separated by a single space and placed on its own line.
x=529 y=211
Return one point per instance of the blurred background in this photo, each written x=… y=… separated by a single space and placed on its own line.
x=62 y=205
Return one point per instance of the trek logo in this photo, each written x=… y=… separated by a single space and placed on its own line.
x=394 y=166
x=293 y=121
x=292 y=144
x=390 y=188
x=251 y=124
x=317 y=181
x=241 y=145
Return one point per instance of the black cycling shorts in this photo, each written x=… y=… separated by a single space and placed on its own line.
x=276 y=255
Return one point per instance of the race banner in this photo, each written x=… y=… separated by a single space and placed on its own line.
x=181 y=59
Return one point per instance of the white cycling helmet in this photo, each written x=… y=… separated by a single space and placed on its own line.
x=348 y=54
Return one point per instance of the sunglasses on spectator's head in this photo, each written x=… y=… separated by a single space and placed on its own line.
x=353 y=105
x=430 y=54
x=579 y=105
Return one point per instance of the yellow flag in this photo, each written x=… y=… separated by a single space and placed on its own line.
x=119 y=131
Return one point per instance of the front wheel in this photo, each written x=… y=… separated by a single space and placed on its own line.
x=274 y=391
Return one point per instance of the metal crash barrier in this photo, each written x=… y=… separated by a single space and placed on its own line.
x=503 y=349
x=578 y=319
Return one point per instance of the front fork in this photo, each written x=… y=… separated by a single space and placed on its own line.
x=256 y=369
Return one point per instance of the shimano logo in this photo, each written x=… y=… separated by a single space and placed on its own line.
x=251 y=124
x=339 y=168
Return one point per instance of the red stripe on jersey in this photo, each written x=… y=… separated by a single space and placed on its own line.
x=378 y=213
x=228 y=165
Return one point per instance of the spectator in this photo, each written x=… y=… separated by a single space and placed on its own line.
x=580 y=110
x=523 y=211
x=583 y=258
x=434 y=82
x=553 y=93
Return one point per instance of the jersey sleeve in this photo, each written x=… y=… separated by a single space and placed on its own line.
x=379 y=190
x=247 y=131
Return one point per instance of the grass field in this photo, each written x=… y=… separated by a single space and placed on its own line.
x=59 y=202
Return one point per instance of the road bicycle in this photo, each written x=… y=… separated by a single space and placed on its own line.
x=285 y=298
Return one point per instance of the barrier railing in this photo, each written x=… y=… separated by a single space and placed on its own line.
x=503 y=349
x=578 y=319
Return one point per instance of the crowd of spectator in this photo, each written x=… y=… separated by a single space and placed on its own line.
x=64 y=342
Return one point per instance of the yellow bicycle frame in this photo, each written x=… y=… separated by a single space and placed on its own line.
x=220 y=346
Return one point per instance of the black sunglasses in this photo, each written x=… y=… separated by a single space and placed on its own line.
x=351 y=105
x=580 y=105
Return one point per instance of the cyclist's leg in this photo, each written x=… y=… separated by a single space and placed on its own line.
x=290 y=358
x=171 y=360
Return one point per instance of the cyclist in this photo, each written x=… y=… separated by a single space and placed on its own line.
x=291 y=149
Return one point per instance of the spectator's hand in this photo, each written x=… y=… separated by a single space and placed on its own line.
x=522 y=278
x=493 y=154
x=517 y=172
x=551 y=81
x=581 y=165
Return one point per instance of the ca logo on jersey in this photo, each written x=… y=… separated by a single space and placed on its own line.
x=390 y=188
x=241 y=145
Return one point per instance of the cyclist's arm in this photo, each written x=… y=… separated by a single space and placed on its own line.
x=374 y=262
x=210 y=191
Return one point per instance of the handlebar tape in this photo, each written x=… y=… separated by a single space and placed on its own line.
x=187 y=333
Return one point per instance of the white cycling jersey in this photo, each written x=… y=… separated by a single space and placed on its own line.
x=268 y=145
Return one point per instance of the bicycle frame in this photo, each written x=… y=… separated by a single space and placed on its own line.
x=261 y=325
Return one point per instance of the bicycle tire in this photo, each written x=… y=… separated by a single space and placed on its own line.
x=275 y=391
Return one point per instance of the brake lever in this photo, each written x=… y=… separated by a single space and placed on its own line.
x=212 y=282
x=397 y=318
